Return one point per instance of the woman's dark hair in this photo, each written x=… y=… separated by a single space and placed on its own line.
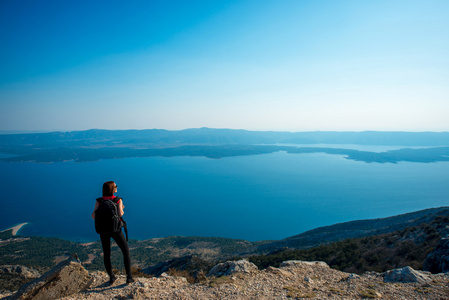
x=108 y=188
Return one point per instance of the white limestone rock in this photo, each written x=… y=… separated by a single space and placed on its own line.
x=231 y=267
x=291 y=263
x=406 y=274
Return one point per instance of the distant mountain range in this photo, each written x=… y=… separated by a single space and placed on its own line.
x=209 y=136
x=93 y=145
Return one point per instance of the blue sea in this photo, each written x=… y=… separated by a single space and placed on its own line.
x=258 y=197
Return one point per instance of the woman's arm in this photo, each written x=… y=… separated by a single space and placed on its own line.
x=120 y=208
x=93 y=213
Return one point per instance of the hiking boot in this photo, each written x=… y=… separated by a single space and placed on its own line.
x=112 y=279
x=129 y=279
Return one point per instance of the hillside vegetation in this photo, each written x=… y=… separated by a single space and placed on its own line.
x=355 y=229
x=407 y=247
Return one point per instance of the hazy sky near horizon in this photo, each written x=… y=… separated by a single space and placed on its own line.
x=296 y=65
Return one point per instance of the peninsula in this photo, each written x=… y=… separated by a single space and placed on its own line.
x=15 y=229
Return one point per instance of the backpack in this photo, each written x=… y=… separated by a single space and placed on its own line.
x=107 y=219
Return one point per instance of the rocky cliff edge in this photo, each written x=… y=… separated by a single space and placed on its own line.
x=240 y=280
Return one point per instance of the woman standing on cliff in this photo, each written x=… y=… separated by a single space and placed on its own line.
x=109 y=188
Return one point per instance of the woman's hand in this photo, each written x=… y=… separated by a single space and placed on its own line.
x=93 y=213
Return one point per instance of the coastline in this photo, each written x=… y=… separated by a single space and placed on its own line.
x=15 y=229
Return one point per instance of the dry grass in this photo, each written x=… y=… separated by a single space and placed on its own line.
x=295 y=292
x=183 y=273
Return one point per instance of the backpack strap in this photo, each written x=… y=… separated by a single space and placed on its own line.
x=125 y=228
x=115 y=201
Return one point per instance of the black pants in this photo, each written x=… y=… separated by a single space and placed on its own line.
x=119 y=238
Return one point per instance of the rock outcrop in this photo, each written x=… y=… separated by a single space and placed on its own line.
x=438 y=260
x=290 y=263
x=14 y=276
x=67 y=278
x=406 y=274
x=19 y=270
x=293 y=280
x=231 y=267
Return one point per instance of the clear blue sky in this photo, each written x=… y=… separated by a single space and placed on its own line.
x=259 y=65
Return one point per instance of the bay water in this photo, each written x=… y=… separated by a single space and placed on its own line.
x=257 y=197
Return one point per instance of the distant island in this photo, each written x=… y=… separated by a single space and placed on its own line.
x=94 y=145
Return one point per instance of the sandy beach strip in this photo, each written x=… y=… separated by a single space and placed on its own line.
x=15 y=229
